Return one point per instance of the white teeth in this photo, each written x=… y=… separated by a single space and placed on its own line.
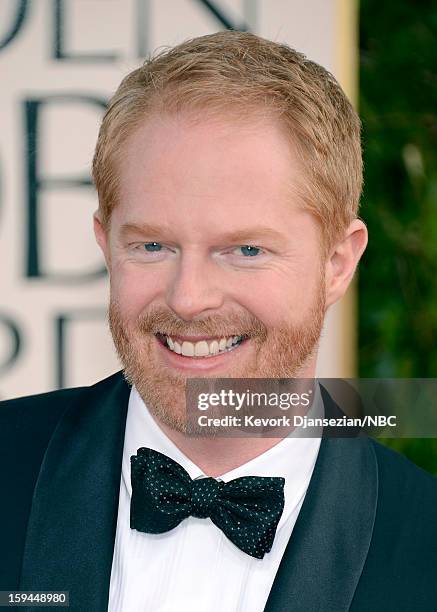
x=188 y=349
x=202 y=348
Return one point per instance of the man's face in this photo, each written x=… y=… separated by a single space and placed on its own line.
x=215 y=271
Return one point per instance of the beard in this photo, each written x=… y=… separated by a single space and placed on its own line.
x=281 y=352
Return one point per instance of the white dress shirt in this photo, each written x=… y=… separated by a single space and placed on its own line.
x=194 y=567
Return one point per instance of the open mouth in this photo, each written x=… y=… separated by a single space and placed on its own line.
x=202 y=349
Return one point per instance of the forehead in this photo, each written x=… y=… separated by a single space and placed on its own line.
x=210 y=170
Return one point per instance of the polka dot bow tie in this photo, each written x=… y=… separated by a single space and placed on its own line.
x=246 y=509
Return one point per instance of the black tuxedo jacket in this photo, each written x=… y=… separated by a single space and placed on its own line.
x=365 y=539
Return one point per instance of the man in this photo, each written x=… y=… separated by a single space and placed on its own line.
x=229 y=173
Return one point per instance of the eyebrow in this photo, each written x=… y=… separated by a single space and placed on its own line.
x=239 y=236
x=143 y=228
x=251 y=233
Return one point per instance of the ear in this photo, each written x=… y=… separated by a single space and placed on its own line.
x=343 y=260
x=102 y=238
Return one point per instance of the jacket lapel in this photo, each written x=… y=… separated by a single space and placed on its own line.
x=71 y=529
x=327 y=550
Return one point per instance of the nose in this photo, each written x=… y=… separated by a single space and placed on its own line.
x=195 y=287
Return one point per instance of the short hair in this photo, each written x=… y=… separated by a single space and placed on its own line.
x=242 y=73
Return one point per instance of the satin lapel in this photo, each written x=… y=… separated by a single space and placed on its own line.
x=327 y=550
x=71 y=529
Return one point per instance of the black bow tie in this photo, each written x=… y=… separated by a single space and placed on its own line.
x=246 y=509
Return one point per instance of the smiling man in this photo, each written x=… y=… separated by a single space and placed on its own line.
x=229 y=173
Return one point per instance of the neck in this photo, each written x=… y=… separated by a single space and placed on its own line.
x=217 y=455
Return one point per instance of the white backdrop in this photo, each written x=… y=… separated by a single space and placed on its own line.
x=60 y=60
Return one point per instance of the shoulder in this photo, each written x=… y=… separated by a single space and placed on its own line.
x=23 y=412
x=30 y=421
x=27 y=425
x=398 y=474
x=407 y=499
x=399 y=571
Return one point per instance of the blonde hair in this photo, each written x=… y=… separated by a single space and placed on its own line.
x=241 y=73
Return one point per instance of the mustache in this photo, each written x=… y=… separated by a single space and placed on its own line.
x=158 y=320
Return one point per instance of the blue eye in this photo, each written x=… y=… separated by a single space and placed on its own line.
x=152 y=246
x=249 y=251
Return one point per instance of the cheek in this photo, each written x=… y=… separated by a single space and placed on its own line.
x=268 y=297
x=286 y=296
x=134 y=289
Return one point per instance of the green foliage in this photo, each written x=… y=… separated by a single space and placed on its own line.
x=398 y=273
